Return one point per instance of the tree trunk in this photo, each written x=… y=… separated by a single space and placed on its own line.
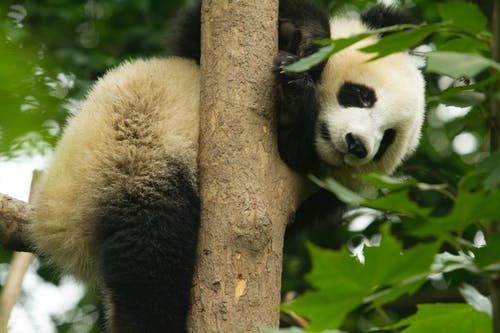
x=247 y=192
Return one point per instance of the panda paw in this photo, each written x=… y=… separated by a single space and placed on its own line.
x=283 y=59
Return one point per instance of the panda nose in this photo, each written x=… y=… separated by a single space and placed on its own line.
x=355 y=146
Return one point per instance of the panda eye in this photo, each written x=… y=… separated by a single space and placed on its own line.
x=388 y=139
x=356 y=95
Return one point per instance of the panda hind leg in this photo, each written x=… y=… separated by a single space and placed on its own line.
x=148 y=251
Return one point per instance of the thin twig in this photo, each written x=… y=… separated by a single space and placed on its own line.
x=12 y=286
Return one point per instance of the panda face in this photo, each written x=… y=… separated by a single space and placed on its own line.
x=371 y=112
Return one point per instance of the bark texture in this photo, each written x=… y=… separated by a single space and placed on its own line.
x=13 y=223
x=247 y=192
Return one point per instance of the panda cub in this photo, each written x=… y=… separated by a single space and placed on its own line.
x=119 y=205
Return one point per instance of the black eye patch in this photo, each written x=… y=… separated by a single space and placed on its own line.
x=356 y=95
x=387 y=140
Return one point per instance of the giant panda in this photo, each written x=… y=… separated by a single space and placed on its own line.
x=119 y=205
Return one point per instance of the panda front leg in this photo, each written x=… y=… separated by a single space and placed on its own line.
x=297 y=114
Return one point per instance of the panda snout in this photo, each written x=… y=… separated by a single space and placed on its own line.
x=355 y=146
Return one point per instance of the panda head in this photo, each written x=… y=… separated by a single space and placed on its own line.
x=371 y=112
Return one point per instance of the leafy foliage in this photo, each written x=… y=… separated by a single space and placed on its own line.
x=342 y=282
x=52 y=51
x=438 y=227
x=459 y=318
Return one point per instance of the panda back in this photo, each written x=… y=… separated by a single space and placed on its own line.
x=137 y=118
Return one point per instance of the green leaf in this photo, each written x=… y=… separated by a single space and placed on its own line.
x=387 y=45
x=464 y=44
x=399 y=41
x=398 y=202
x=391 y=294
x=464 y=98
x=457 y=65
x=464 y=15
x=310 y=61
x=491 y=167
x=382 y=181
x=324 y=53
x=342 y=192
x=472 y=204
x=492 y=181
x=342 y=283
x=489 y=255
x=446 y=318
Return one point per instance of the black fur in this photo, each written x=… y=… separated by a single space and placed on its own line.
x=356 y=95
x=185 y=38
x=381 y=16
x=320 y=207
x=387 y=140
x=301 y=23
x=298 y=107
x=148 y=240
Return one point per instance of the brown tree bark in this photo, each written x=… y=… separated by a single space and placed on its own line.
x=13 y=223
x=247 y=192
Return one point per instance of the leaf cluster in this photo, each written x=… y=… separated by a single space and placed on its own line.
x=52 y=51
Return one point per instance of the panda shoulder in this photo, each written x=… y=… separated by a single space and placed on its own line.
x=141 y=74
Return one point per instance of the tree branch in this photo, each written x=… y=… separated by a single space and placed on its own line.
x=11 y=290
x=13 y=223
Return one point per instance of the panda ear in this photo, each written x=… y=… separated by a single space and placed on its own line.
x=381 y=16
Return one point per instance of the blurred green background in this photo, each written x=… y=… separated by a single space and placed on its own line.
x=51 y=51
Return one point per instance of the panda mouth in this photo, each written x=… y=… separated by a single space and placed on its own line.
x=352 y=160
x=351 y=151
x=345 y=158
